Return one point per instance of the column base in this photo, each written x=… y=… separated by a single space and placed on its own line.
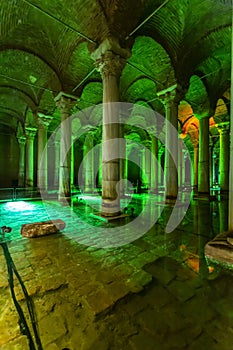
x=170 y=200
x=110 y=209
x=203 y=196
x=64 y=200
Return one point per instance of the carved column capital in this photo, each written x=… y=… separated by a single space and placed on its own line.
x=21 y=140
x=173 y=94
x=223 y=128
x=110 y=64
x=43 y=120
x=65 y=102
x=110 y=57
x=30 y=132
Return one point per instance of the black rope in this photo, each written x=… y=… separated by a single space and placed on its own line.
x=22 y=320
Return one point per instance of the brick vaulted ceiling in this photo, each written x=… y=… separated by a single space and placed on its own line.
x=45 y=47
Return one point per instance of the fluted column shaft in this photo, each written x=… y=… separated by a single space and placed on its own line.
x=21 y=174
x=203 y=164
x=30 y=135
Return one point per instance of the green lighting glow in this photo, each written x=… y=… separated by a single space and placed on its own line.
x=19 y=206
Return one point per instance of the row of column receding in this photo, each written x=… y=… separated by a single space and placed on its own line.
x=151 y=175
x=110 y=65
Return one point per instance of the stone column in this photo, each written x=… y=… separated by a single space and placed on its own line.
x=21 y=174
x=154 y=164
x=89 y=163
x=122 y=161
x=203 y=164
x=148 y=167
x=30 y=135
x=56 y=163
x=42 y=164
x=171 y=99
x=195 y=168
x=181 y=178
x=72 y=156
x=65 y=103
x=110 y=60
x=224 y=158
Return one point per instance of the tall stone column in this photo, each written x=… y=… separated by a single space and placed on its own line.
x=30 y=135
x=21 y=174
x=224 y=158
x=181 y=179
x=65 y=103
x=42 y=166
x=110 y=60
x=171 y=99
x=123 y=162
x=89 y=163
x=195 y=168
x=56 y=163
x=154 y=164
x=203 y=164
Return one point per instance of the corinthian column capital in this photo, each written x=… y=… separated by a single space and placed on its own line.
x=110 y=57
x=43 y=120
x=30 y=132
x=173 y=94
x=65 y=102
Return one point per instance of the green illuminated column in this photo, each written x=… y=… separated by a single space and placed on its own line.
x=65 y=103
x=30 y=135
x=122 y=161
x=195 y=168
x=224 y=157
x=148 y=167
x=160 y=172
x=203 y=164
x=56 y=163
x=154 y=164
x=110 y=60
x=171 y=100
x=89 y=163
x=21 y=174
x=230 y=204
x=180 y=163
x=72 y=163
x=42 y=168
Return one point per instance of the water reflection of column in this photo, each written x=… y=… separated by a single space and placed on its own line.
x=223 y=217
x=204 y=217
x=21 y=174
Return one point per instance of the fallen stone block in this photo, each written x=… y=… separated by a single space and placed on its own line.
x=43 y=228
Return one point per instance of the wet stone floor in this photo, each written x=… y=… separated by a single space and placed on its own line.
x=155 y=292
